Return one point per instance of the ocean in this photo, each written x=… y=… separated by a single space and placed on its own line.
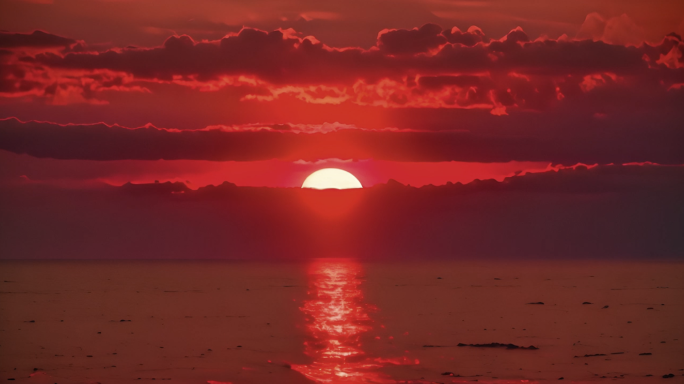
x=341 y=321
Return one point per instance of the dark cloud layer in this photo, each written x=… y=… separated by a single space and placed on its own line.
x=409 y=42
x=103 y=142
x=283 y=58
x=423 y=67
x=603 y=212
x=35 y=39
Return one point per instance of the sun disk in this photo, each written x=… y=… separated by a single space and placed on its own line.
x=331 y=178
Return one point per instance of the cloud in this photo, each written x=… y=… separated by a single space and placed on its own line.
x=522 y=74
x=412 y=41
x=294 y=75
x=278 y=57
x=104 y=142
x=59 y=87
x=469 y=38
x=36 y=39
x=463 y=81
x=603 y=212
x=13 y=80
x=593 y=27
x=620 y=30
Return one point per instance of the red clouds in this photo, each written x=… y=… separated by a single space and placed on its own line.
x=619 y=30
x=102 y=142
x=409 y=42
x=282 y=58
x=606 y=211
x=35 y=39
x=567 y=100
x=469 y=38
x=513 y=72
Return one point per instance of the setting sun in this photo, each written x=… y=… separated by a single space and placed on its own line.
x=331 y=178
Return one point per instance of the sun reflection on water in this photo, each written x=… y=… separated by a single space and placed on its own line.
x=336 y=319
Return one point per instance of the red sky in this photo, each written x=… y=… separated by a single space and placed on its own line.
x=274 y=173
x=263 y=92
x=431 y=92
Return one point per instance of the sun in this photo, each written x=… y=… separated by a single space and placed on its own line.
x=331 y=178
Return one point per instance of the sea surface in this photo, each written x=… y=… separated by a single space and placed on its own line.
x=341 y=321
